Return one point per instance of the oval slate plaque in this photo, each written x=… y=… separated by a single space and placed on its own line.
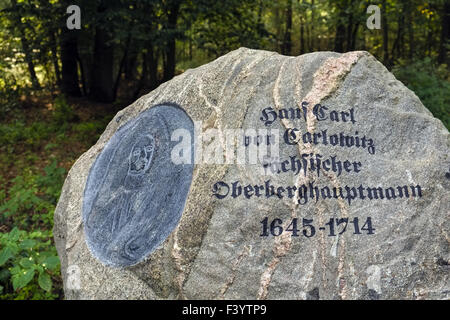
x=135 y=194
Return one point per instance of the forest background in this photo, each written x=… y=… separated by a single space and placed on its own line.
x=60 y=87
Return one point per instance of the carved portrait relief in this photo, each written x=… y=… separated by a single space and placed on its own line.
x=135 y=194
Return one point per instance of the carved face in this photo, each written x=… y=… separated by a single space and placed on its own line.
x=141 y=155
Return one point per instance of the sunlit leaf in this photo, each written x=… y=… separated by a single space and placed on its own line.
x=51 y=263
x=22 y=279
x=27 y=263
x=45 y=282
x=27 y=244
x=5 y=255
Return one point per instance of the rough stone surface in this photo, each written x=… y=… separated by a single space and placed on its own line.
x=216 y=250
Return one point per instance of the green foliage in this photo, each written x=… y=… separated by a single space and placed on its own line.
x=32 y=198
x=63 y=113
x=17 y=133
x=11 y=135
x=227 y=25
x=51 y=183
x=28 y=265
x=88 y=131
x=430 y=83
x=9 y=93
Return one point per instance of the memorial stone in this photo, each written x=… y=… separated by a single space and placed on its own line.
x=262 y=176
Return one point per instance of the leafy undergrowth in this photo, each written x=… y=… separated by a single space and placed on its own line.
x=431 y=83
x=37 y=147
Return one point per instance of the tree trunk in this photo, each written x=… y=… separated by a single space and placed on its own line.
x=287 y=40
x=149 y=75
x=385 y=28
x=349 y=32
x=29 y=59
x=410 y=24
x=429 y=41
x=131 y=61
x=302 y=29
x=302 y=35
x=170 y=52
x=83 y=75
x=54 y=52
x=152 y=58
x=279 y=27
x=69 y=54
x=142 y=79
x=445 y=33
x=25 y=46
x=308 y=36
x=102 y=83
x=312 y=44
x=121 y=67
x=259 y=22
x=190 y=48
x=352 y=28
x=353 y=37
x=339 y=39
x=398 y=40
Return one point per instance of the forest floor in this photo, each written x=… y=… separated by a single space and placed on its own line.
x=39 y=142
x=44 y=130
